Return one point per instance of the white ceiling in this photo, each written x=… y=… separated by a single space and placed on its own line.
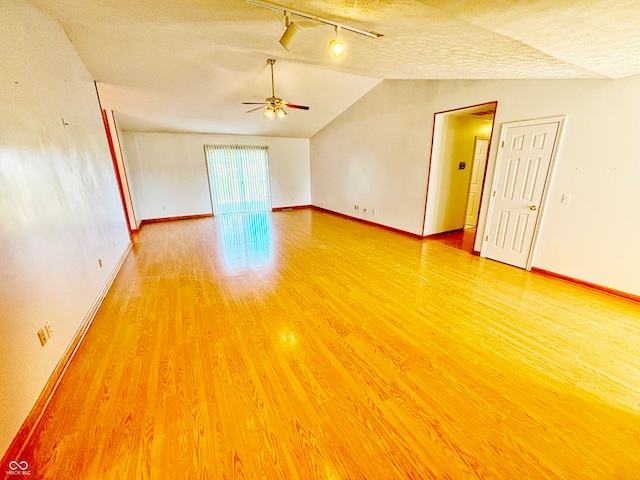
x=186 y=65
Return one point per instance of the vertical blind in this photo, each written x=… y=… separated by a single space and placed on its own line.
x=238 y=178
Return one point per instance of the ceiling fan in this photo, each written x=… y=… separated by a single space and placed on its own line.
x=274 y=106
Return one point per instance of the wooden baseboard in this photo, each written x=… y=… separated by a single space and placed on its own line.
x=595 y=286
x=31 y=422
x=368 y=222
x=294 y=207
x=147 y=221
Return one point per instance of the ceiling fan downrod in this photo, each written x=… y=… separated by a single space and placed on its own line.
x=271 y=61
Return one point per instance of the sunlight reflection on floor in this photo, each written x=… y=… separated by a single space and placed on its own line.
x=245 y=241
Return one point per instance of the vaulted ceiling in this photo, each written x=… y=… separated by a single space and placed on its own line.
x=186 y=65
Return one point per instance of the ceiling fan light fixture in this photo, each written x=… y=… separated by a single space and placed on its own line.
x=280 y=113
x=269 y=112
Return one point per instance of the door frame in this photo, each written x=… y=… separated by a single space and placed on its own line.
x=433 y=159
x=561 y=121
x=117 y=157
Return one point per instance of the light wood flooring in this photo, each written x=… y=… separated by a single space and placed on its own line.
x=461 y=239
x=301 y=345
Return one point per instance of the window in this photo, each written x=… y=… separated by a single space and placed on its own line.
x=238 y=178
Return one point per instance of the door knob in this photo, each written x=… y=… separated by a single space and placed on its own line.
x=533 y=207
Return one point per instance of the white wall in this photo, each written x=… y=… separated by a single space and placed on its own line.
x=374 y=155
x=377 y=152
x=169 y=174
x=60 y=209
x=454 y=142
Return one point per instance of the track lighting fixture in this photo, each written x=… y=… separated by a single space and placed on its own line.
x=337 y=47
x=291 y=31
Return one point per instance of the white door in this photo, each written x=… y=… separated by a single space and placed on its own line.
x=519 y=181
x=475 y=183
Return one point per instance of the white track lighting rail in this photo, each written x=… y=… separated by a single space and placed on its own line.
x=315 y=17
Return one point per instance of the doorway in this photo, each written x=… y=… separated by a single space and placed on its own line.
x=522 y=172
x=461 y=140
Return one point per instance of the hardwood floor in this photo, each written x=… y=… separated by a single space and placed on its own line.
x=300 y=345
x=460 y=239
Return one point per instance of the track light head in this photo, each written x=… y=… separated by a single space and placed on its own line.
x=289 y=34
x=336 y=46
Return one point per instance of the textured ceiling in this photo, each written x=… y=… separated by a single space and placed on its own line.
x=185 y=65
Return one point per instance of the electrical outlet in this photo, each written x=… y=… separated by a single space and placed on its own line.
x=47 y=329
x=373 y=211
x=566 y=198
x=42 y=335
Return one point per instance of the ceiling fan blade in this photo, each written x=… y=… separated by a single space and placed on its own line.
x=300 y=107
x=253 y=103
x=254 y=109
